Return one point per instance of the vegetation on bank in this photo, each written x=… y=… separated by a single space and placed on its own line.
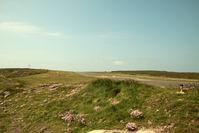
x=9 y=81
x=20 y=72
x=184 y=75
x=50 y=101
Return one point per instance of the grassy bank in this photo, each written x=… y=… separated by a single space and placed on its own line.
x=20 y=72
x=115 y=99
x=9 y=78
x=94 y=104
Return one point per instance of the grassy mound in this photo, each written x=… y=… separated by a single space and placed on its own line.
x=160 y=107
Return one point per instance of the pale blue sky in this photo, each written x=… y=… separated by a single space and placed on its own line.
x=100 y=35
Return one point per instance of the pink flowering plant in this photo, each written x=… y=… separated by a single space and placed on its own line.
x=136 y=114
x=80 y=118
x=55 y=86
x=7 y=93
x=51 y=87
x=73 y=92
x=131 y=126
x=67 y=116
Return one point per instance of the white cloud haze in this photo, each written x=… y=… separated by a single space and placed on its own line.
x=20 y=27
x=118 y=62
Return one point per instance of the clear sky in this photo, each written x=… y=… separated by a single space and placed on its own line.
x=100 y=35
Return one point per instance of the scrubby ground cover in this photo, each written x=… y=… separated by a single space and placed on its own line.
x=68 y=102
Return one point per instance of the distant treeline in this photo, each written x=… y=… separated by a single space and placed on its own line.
x=20 y=72
x=186 y=75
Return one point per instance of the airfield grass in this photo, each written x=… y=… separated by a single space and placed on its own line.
x=162 y=74
x=35 y=108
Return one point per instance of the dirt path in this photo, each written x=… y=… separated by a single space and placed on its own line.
x=160 y=83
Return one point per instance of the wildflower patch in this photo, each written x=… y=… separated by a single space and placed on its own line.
x=69 y=117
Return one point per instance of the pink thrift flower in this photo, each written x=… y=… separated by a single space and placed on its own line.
x=7 y=93
x=44 y=85
x=136 y=113
x=81 y=119
x=74 y=91
x=131 y=126
x=67 y=116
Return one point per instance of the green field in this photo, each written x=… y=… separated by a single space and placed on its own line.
x=164 y=74
x=38 y=100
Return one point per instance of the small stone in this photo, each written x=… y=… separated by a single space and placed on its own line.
x=45 y=100
x=180 y=100
x=121 y=122
x=96 y=108
x=149 y=122
x=22 y=105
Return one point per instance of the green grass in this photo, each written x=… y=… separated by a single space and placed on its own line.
x=37 y=109
x=53 y=77
x=9 y=78
x=20 y=72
